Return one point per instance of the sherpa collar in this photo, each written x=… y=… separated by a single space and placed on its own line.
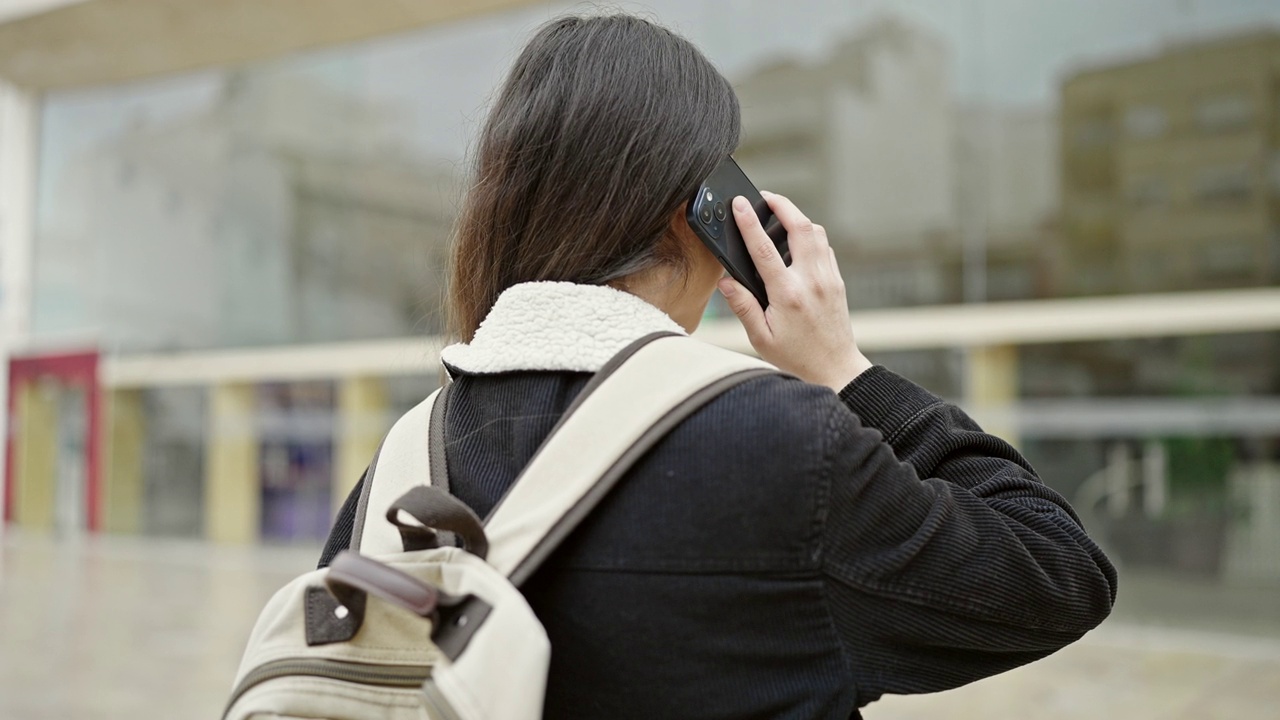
x=556 y=326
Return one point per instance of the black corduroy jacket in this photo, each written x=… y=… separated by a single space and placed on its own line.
x=786 y=552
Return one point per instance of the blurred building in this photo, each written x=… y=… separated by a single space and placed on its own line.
x=872 y=144
x=263 y=220
x=1171 y=169
x=1006 y=192
x=863 y=142
x=1170 y=183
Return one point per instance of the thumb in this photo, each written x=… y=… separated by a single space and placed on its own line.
x=746 y=307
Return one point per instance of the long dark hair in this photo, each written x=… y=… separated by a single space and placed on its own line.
x=603 y=129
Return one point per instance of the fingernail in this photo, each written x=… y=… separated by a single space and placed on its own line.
x=726 y=286
x=740 y=204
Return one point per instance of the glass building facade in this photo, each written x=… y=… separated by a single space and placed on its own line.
x=957 y=152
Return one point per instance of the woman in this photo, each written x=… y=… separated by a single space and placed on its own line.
x=801 y=545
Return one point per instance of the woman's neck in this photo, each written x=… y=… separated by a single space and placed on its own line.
x=668 y=290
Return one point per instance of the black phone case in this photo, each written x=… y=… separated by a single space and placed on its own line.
x=722 y=236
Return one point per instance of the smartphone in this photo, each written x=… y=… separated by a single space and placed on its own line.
x=710 y=215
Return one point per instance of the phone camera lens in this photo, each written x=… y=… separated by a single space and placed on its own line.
x=720 y=211
x=705 y=214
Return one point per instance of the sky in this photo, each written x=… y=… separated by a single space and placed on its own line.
x=1010 y=52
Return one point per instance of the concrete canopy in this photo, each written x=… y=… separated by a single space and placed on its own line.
x=56 y=44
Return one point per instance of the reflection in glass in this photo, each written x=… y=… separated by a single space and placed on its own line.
x=956 y=152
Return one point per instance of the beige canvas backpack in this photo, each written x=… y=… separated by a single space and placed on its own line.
x=405 y=625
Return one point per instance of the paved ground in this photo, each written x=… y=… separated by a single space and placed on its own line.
x=117 y=628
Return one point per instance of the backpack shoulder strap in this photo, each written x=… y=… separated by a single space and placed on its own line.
x=403 y=461
x=648 y=389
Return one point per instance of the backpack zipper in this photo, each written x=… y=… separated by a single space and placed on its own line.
x=394 y=676
x=437 y=702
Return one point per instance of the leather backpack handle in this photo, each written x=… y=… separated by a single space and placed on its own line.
x=435 y=509
x=352 y=577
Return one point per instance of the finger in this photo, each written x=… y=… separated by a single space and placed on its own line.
x=747 y=308
x=763 y=252
x=835 y=272
x=820 y=237
x=821 y=247
x=801 y=233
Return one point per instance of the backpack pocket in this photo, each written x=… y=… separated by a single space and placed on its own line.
x=307 y=688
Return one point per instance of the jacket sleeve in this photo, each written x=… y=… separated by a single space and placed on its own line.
x=343 y=525
x=945 y=558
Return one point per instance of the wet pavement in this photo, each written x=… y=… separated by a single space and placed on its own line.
x=138 y=628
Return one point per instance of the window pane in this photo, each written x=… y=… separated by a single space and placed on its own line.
x=1223 y=183
x=1146 y=121
x=1224 y=112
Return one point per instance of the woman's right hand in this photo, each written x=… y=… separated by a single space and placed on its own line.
x=805 y=331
